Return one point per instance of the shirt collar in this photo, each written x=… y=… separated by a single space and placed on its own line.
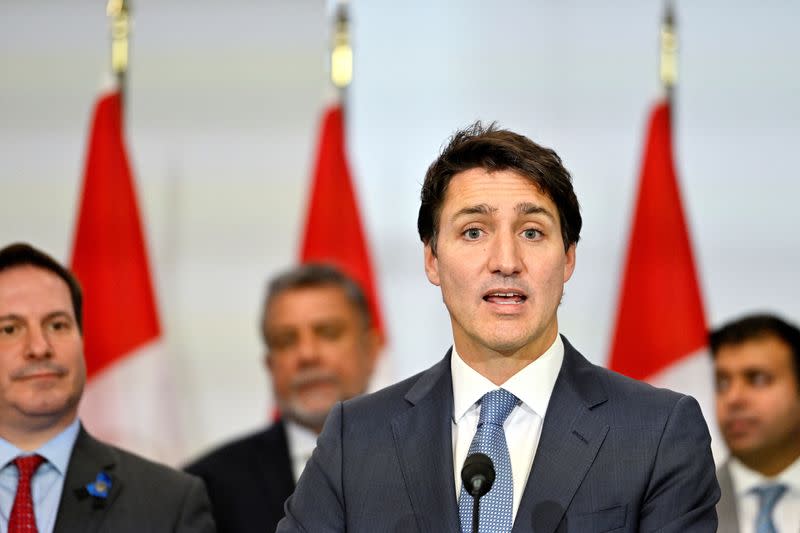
x=745 y=479
x=533 y=385
x=56 y=451
x=301 y=440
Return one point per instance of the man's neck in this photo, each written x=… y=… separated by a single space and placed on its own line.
x=499 y=366
x=30 y=435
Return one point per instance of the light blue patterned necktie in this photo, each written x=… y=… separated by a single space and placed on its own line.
x=768 y=496
x=496 y=506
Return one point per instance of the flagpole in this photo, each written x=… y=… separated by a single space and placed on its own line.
x=668 y=65
x=118 y=12
x=341 y=52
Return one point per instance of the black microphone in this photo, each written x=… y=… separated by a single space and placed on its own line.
x=478 y=477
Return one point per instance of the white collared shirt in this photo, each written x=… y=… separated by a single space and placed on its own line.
x=533 y=385
x=785 y=515
x=302 y=442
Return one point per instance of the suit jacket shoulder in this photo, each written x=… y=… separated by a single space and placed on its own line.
x=248 y=480
x=143 y=495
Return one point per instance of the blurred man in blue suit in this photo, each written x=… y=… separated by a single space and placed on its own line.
x=575 y=447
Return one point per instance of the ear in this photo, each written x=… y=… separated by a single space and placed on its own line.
x=431 y=265
x=268 y=362
x=375 y=343
x=569 y=264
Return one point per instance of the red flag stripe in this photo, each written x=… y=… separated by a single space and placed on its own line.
x=109 y=254
x=660 y=316
x=333 y=230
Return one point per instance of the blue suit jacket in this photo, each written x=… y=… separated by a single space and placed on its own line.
x=615 y=454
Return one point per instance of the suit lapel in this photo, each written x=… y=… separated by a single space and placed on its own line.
x=277 y=475
x=571 y=437
x=422 y=436
x=79 y=511
x=726 y=507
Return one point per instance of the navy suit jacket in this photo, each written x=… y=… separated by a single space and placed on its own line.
x=615 y=454
x=248 y=480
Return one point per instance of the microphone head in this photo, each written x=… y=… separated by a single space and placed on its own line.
x=478 y=474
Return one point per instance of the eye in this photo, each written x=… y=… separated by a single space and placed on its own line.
x=7 y=330
x=281 y=341
x=60 y=324
x=722 y=383
x=472 y=234
x=760 y=379
x=329 y=331
x=531 y=234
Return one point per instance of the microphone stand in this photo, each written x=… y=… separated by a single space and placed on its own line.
x=475 y=512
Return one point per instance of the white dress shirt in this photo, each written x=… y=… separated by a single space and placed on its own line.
x=47 y=482
x=302 y=442
x=533 y=385
x=785 y=515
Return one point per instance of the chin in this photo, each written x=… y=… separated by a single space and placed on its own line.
x=307 y=415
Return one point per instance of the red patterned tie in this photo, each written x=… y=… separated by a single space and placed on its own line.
x=22 y=519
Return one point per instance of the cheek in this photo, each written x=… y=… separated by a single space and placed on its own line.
x=281 y=375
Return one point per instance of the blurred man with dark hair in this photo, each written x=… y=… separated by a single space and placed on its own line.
x=574 y=446
x=53 y=475
x=321 y=348
x=757 y=369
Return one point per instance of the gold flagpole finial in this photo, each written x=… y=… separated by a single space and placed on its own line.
x=669 y=49
x=341 y=50
x=119 y=13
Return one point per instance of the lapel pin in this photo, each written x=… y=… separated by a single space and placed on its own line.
x=100 y=487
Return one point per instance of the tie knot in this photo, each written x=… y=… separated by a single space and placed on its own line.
x=768 y=495
x=27 y=465
x=496 y=406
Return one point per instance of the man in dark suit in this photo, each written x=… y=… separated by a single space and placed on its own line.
x=757 y=370
x=574 y=447
x=321 y=348
x=53 y=475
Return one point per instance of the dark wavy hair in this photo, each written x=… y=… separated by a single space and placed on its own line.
x=491 y=148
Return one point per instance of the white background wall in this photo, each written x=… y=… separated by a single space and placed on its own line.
x=222 y=116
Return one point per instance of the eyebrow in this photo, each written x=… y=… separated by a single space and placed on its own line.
x=529 y=208
x=522 y=208
x=57 y=314
x=479 y=209
x=48 y=316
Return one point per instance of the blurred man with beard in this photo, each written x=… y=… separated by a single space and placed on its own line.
x=757 y=368
x=321 y=349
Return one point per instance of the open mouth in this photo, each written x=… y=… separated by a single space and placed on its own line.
x=505 y=297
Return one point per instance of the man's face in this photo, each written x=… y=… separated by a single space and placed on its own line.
x=42 y=371
x=319 y=351
x=500 y=263
x=758 y=401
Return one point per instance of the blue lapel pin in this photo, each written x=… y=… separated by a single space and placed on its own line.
x=100 y=487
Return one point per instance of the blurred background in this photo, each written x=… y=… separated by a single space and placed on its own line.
x=222 y=117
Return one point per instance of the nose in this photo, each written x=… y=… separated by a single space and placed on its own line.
x=307 y=349
x=38 y=344
x=504 y=254
x=735 y=395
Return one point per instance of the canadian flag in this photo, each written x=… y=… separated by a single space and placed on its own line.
x=333 y=230
x=127 y=397
x=661 y=333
